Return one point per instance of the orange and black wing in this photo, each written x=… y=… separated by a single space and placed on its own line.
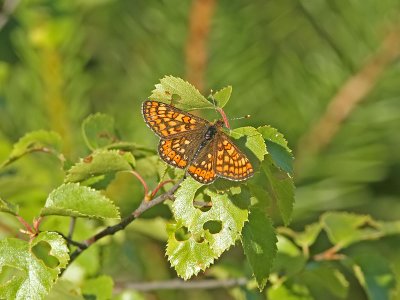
x=202 y=168
x=168 y=121
x=180 y=150
x=230 y=162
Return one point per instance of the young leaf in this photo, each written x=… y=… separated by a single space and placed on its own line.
x=74 y=200
x=189 y=98
x=98 y=131
x=8 y=207
x=35 y=141
x=273 y=135
x=254 y=140
x=100 y=163
x=280 y=188
x=34 y=277
x=308 y=236
x=99 y=288
x=222 y=96
x=210 y=232
x=344 y=228
x=259 y=244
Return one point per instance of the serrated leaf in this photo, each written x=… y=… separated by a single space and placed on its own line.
x=100 y=288
x=229 y=213
x=223 y=95
x=74 y=200
x=101 y=162
x=8 y=207
x=98 y=131
x=280 y=188
x=277 y=147
x=344 y=228
x=34 y=141
x=254 y=140
x=189 y=256
x=259 y=245
x=189 y=98
x=34 y=279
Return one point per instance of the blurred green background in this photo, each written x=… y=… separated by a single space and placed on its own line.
x=286 y=60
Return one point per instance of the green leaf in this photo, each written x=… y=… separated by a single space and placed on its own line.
x=344 y=228
x=101 y=162
x=98 y=131
x=33 y=278
x=217 y=228
x=100 y=288
x=223 y=95
x=35 y=141
x=74 y=200
x=280 y=188
x=308 y=236
x=254 y=140
x=277 y=147
x=325 y=281
x=8 y=207
x=294 y=292
x=259 y=244
x=289 y=259
x=188 y=97
x=374 y=274
x=64 y=290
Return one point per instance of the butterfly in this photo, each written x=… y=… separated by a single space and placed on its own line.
x=195 y=144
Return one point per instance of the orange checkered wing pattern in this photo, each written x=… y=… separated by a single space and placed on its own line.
x=230 y=162
x=168 y=121
x=202 y=167
x=179 y=151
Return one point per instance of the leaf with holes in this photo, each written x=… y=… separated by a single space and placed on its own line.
x=217 y=228
x=29 y=273
x=222 y=96
x=41 y=140
x=185 y=96
x=101 y=162
x=98 y=131
x=72 y=199
x=259 y=244
x=254 y=140
x=280 y=188
x=8 y=207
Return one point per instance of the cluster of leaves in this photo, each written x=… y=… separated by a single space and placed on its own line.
x=199 y=234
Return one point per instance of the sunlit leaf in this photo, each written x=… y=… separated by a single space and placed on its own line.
x=74 y=200
x=222 y=96
x=40 y=140
x=184 y=95
x=8 y=207
x=100 y=288
x=32 y=277
x=98 y=131
x=307 y=237
x=259 y=244
x=254 y=140
x=101 y=162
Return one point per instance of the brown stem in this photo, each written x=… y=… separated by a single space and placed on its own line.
x=354 y=90
x=196 y=45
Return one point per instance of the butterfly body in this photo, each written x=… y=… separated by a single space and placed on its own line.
x=195 y=144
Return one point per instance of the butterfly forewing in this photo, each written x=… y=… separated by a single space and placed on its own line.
x=231 y=163
x=167 y=121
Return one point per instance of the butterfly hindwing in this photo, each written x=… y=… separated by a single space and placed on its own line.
x=231 y=163
x=202 y=168
x=168 y=121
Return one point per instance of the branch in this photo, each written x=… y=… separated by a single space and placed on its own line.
x=6 y=11
x=354 y=90
x=178 y=284
x=110 y=230
x=196 y=48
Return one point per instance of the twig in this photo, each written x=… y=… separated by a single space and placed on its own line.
x=72 y=242
x=330 y=254
x=347 y=98
x=196 y=45
x=178 y=284
x=146 y=189
x=6 y=11
x=110 y=230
